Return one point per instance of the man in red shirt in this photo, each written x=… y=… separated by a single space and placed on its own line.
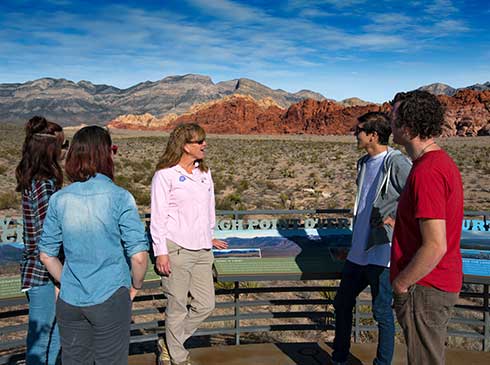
x=426 y=265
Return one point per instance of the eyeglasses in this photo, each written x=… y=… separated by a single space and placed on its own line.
x=65 y=145
x=114 y=149
x=200 y=141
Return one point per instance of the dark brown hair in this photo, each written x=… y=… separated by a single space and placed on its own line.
x=40 y=153
x=421 y=112
x=90 y=153
x=182 y=134
x=376 y=122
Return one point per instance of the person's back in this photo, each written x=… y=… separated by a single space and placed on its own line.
x=38 y=176
x=99 y=227
x=90 y=213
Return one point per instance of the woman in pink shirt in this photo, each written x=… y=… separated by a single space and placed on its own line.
x=182 y=225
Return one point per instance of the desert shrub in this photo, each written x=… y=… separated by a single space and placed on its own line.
x=148 y=165
x=287 y=172
x=219 y=183
x=242 y=185
x=9 y=199
x=138 y=176
x=142 y=196
x=123 y=181
x=231 y=201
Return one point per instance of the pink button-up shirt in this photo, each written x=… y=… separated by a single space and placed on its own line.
x=182 y=209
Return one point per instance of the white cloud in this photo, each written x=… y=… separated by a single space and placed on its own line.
x=441 y=8
x=228 y=9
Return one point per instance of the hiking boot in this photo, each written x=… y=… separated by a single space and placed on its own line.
x=163 y=355
x=188 y=361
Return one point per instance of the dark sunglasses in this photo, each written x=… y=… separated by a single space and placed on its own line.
x=200 y=141
x=114 y=149
x=359 y=130
x=65 y=145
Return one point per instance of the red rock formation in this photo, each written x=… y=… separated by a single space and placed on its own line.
x=324 y=117
x=467 y=114
x=236 y=114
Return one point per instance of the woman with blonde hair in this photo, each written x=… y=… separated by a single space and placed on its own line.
x=182 y=226
x=38 y=176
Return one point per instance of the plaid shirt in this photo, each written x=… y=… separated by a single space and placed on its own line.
x=34 y=208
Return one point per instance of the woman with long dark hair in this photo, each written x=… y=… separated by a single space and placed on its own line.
x=98 y=225
x=38 y=176
x=182 y=224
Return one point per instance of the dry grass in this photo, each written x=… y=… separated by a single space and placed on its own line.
x=261 y=172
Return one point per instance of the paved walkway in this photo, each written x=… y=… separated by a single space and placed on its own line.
x=302 y=354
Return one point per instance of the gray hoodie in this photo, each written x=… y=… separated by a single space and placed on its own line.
x=393 y=175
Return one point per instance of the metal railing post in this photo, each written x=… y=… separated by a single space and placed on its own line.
x=357 y=325
x=237 y=312
x=486 y=314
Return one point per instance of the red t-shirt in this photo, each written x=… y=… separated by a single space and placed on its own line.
x=433 y=190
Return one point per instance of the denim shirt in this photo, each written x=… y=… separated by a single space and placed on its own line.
x=98 y=224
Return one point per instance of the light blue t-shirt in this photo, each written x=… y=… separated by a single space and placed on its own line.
x=98 y=224
x=379 y=254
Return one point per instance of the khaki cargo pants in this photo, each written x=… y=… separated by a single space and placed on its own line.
x=191 y=276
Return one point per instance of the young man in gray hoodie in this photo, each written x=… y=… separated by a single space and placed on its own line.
x=381 y=176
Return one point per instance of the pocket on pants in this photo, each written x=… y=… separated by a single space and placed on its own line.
x=400 y=303
x=172 y=247
x=437 y=306
x=399 y=300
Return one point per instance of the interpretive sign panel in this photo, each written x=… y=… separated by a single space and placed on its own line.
x=268 y=249
x=318 y=254
x=286 y=254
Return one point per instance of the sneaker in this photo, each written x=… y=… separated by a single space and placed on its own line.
x=163 y=355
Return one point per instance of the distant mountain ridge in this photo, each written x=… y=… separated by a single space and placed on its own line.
x=444 y=89
x=71 y=103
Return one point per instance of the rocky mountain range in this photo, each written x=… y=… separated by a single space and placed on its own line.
x=70 y=103
x=233 y=106
x=443 y=89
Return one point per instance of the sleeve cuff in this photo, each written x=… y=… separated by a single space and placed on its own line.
x=50 y=253
x=160 y=249
x=139 y=248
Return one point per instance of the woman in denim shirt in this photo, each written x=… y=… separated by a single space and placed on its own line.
x=99 y=227
x=38 y=176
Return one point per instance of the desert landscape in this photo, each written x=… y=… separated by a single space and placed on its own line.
x=259 y=171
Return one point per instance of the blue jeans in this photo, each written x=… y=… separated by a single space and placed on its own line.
x=43 y=339
x=355 y=278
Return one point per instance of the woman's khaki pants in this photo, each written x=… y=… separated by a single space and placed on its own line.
x=190 y=282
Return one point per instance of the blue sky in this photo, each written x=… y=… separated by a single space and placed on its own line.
x=340 y=48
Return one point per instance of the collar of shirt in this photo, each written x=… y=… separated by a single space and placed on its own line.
x=194 y=176
x=102 y=177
